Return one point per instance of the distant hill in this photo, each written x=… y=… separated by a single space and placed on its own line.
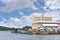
x=6 y=28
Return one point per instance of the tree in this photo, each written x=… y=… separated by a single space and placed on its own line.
x=26 y=28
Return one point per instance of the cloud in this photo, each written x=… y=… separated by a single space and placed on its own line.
x=36 y=14
x=2 y=23
x=16 y=4
x=52 y=4
x=6 y=1
x=26 y=18
x=34 y=7
x=54 y=15
x=15 y=20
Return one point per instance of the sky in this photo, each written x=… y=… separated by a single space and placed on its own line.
x=18 y=13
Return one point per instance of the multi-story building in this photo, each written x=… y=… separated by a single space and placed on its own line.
x=44 y=23
x=41 y=18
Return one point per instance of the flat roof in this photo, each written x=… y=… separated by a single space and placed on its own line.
x=49 y=25
x=47 y=22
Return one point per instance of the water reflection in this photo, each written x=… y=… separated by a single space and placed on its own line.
x=5 y=35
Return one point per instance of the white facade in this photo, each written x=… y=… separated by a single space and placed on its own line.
x=50 y=27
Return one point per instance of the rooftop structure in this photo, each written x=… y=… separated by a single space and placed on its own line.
x=41 y=18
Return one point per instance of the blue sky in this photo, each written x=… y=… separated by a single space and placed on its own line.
x=18 y=13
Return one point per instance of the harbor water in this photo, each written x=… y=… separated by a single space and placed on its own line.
x=7 y=35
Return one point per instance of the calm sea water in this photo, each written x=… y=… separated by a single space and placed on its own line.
x=5 y=35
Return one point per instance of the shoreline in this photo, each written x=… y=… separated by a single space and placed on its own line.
x=29 y=33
